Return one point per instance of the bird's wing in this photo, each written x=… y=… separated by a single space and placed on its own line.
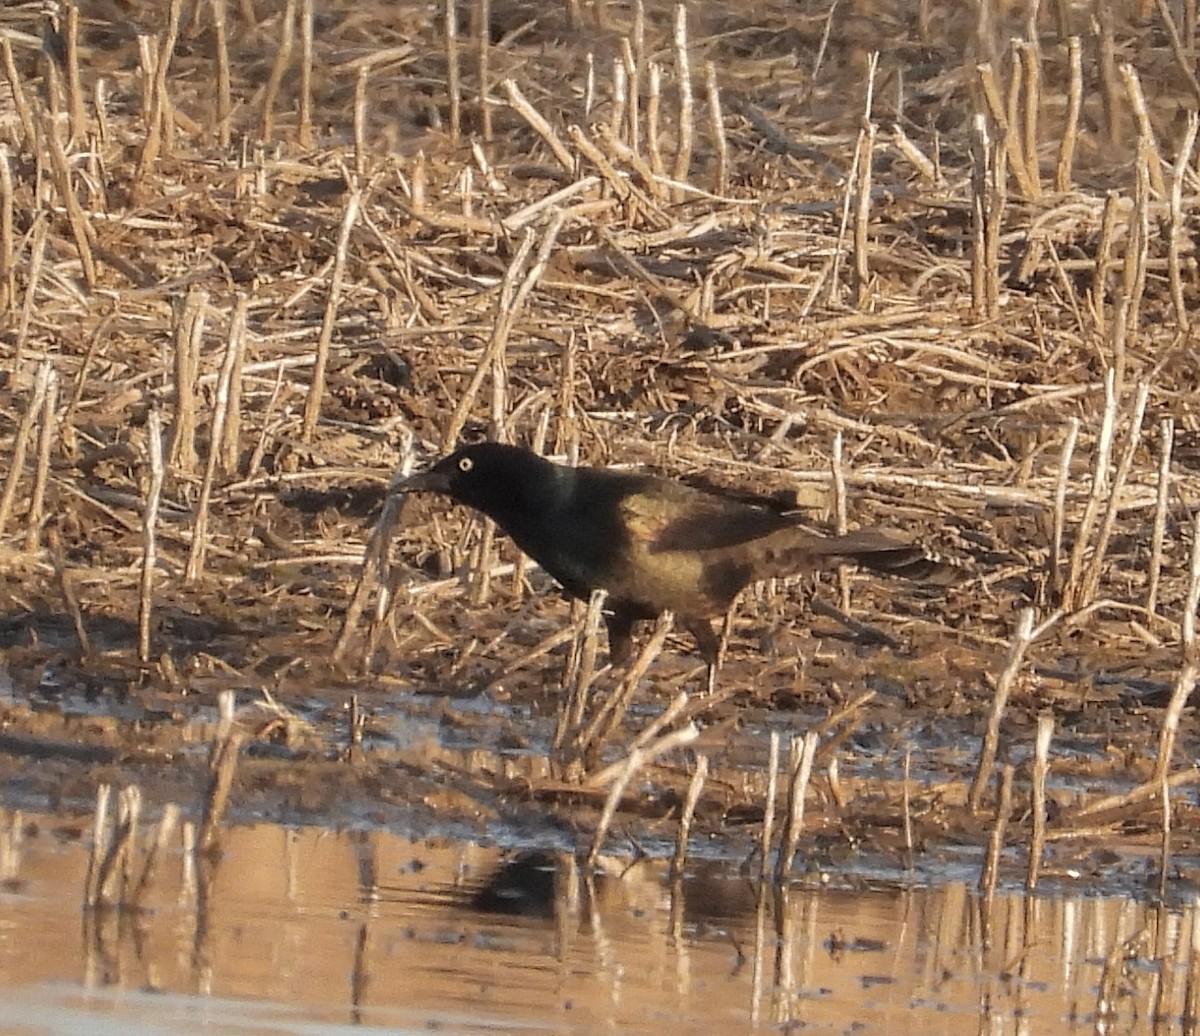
x=667 y=516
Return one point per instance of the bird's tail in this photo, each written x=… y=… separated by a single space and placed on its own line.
x=792 y=551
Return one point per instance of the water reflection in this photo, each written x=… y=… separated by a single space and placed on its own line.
x=370 y=929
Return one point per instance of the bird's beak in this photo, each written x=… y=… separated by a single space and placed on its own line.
x=431 y=481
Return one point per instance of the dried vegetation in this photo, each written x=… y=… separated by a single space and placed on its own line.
x=925 y=265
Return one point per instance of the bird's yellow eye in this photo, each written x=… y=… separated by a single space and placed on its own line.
x=465 y=464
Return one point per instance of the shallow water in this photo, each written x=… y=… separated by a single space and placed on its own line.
x=311 y=931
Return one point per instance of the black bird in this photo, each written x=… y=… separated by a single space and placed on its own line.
x=653 y=543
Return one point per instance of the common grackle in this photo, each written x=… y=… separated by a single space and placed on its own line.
x=653 y=543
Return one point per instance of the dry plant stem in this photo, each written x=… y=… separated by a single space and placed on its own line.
x=981 y=152
x=230 y=441
x=611 y=714
x=20 y=102
x=481 y=568
x=653 y=107
x=149 y=532
x=833 y=781
x=919 y=160
x=304 y=129
x=93 y=182
x=1060 y=504
x=717 y=125
x=160 y=130
x=360 y=122
x=1108 y=230
x=103 y=131
x=283 y=56
x=1072 y=598
x=81 y=227
x=909 y=842
x=100 y=842
x=862 y=212
x=834 y=287
x=1041 y=767
x=991 y=868
x=678 y=707
x=75 y=110
x=165 y=829
x=66 y=587
x=1183 y=58
x=653 y=184
x=1164 y=864
x=1189 y=670
x=16 y=466
x=41 y=471
x=841 y=513
x=1100 y=815
x=695 y=787
x=224 y=108
x=316 y=391
x=483 y=26
x=510 y=307
x=566 y=417
x=222 y=764
x=1004 y=685
x=1137 y=99
x=638 y=757
x=523 y=217
x=189 y=331
x=823 y=46
x=1010 y=142
x=619 y=98
x=37 y=255
x=146 y=59
x=1029 y=59
x=1110 y=88
x=453 y=69
x=685 y=124
x=1175 y=232
x=633 y=118
x=1137 y=256
x=589 y=89
x=635 y=201
x=375 y=570
x=494 y=353
x=574 y=706
x=114 y=878
x=1070 y=136
x=802 y=753
x=237 y=325
x=586 y=654
x=1166 y=438
x=1091 y=578
x=638 y=36
x=510 y=301
x=996 y=200
x=634 y=762
x=768 y=828
x=8 y=265
x=417 y=184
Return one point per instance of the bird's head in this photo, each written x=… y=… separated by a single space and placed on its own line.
x=491 y=477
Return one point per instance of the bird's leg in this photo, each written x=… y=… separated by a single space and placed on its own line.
x=709 y=645
x=620 y=635
x=722 y=647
